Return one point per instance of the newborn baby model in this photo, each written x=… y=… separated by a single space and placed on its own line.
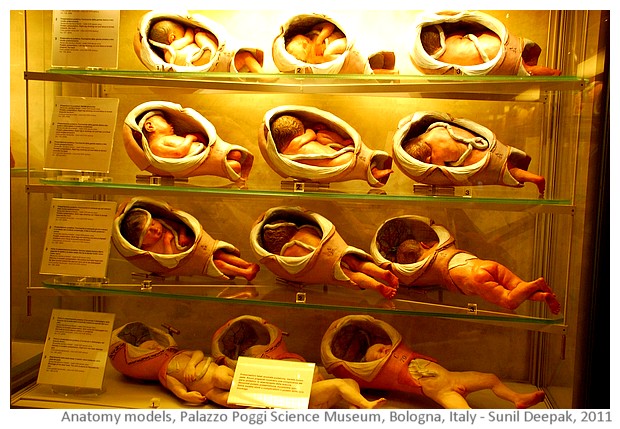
x=301 y=246
x=167 y=139
x=472 y=43
x=162 y=240
x=436 y=149
x=421 y=253
x=373 y=353
x=309 y=144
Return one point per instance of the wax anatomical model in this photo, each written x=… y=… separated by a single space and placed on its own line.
x=436 y=149
x=253 y=336
x=303 y=247
x=374 y=354
x=472 y=43
x=315 y=43
x=321 y=148
x=421 y=253
x=249 y=336
x=168 y=139
x=162 y=240
x=184 y=42
x=146 y=353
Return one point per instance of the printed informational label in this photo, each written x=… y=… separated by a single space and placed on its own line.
x=268 y=383
x=85 y=38
x=77 y=240
x=76 y=349
x=82 y=134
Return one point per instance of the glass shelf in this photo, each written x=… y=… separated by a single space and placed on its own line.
x=411 y=302
x=528 y=88
x=45 y=185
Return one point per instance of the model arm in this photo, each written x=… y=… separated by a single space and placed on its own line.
x=205 y=40
x=332 y=138
x=180 y=390
x=326 y=30
x=175 y=146
x=167 y=240
x=187 y=39
x=189 y=373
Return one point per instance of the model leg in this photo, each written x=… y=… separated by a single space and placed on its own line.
x=327 y=393
x=371 y=269
x=232 y=265
x=526 y=176
x=233 y=158
x=491 y=274
x=473 y=381
x=366 y=281
x=223 y=377
x=245 y=58
x=536 y=290
x=380 y=174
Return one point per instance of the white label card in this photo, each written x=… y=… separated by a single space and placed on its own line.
x=85 y=38
x=77 y=240
x=76 y=349
x=268 y=383
x=82 y=134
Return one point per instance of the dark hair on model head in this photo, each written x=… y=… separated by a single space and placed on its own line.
x=409 y=251
x=285 y=128
x=430 y=39
x=417 y=148
x=133 y=225
x=160 y=30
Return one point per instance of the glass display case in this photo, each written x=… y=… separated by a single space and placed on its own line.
x=558 y=121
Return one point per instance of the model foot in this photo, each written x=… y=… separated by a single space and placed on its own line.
x=390 y=279
x=540 y=183
x=553 y=303
x=541 y=285
x=381 y=174
x=375 y=404
x=387 y=291
x=251 y=272
x=527 y=400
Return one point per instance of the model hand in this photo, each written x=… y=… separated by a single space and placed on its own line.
x=189 y=375
x=194 y=397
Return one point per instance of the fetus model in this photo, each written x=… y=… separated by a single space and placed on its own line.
x=208 y=155
x=184 y=42
x=472 y=43
x=165 y=241
x=421 y=254
x=250 y=336
x=303 y=247
x=435 y=148
x=313 y=43
x=342 y=158
x=146 y=353
x=297 y=50
x=373 y=353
